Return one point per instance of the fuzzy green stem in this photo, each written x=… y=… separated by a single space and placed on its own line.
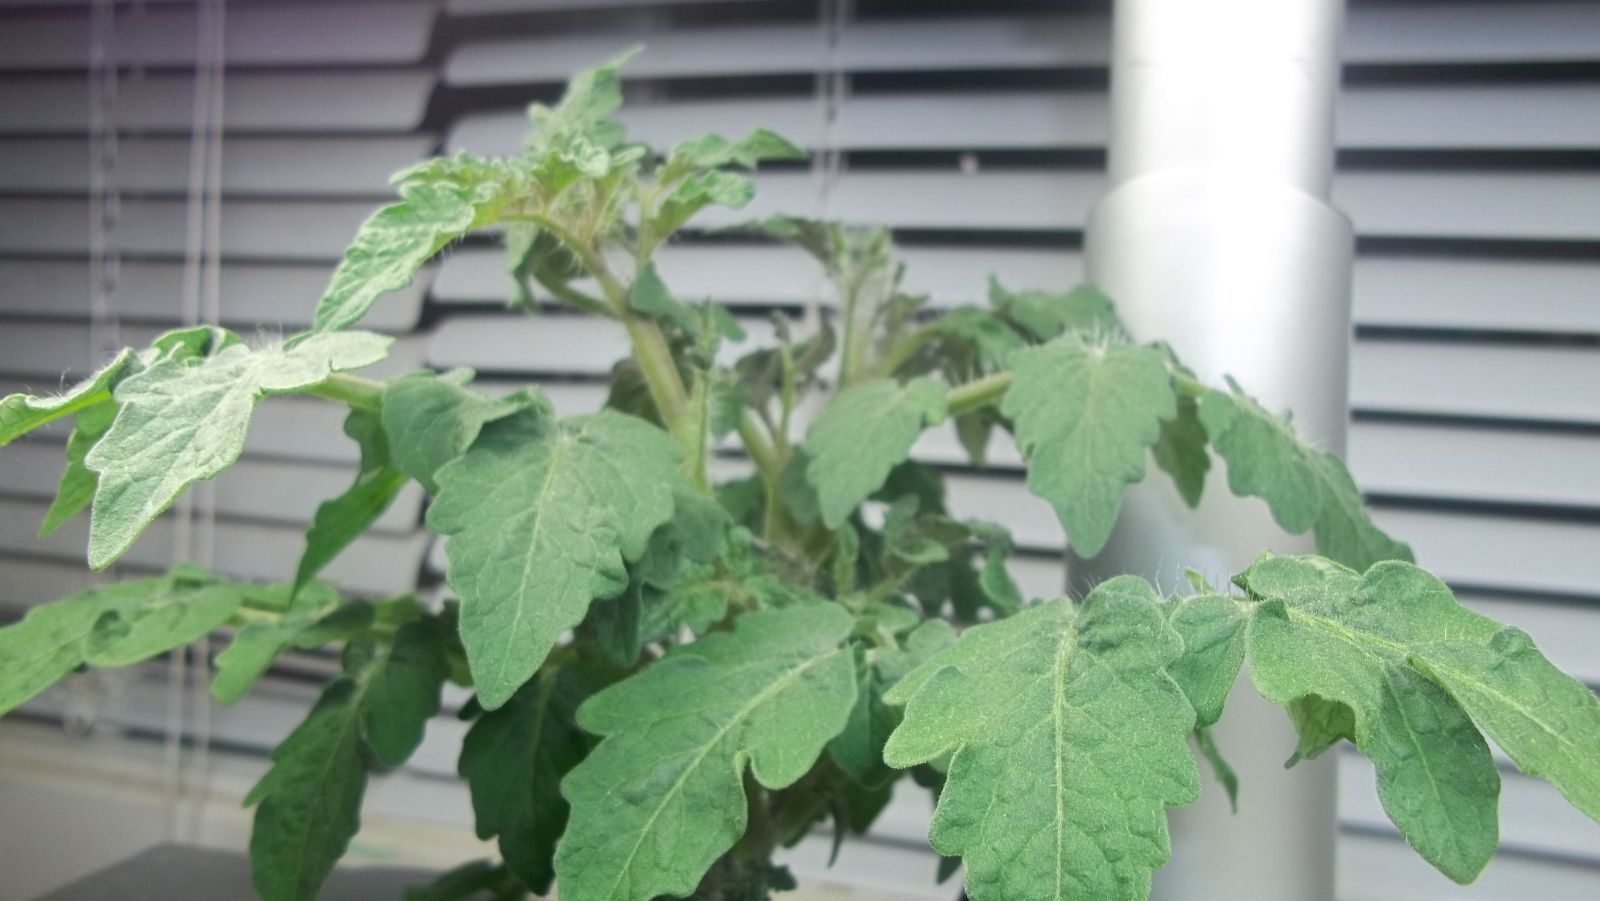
x=360 y=393
x=978 y=394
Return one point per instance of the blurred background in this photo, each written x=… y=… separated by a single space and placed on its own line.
x=163 y=163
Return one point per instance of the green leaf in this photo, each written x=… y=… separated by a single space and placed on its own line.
x=858 y=750
x=429 y=420
x=513 y=759
x=649 y=295
x=342 y=520
x=1416 y=670
x=1084 y=415
x=259 y=642
x=21 y=413
x=1058 y=792
x=862 y=435
x=1224 y=773
x=469 y=882
x=541 y=516
x=440 y=201
x=1181 y=451
x=1305 y=488
x=110 y=625
x=178 y=422
x=78 y=482
x=581 y=123
x=698 y=191
x=310 y=800
x=402 y=693
x=1212 y=628
x=714 y=151
x=662 y=797
x=1084 y=311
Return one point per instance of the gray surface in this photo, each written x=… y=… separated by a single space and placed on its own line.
x=188 y=873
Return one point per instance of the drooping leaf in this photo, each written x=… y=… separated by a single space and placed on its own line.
x=429 y=420
x=179 y=422
x=1393 y=662
x=862 y=435
x=542 y=515
x=662 y=797
x=259 y=642
x=858 y=750
x=1304 y=487
x=21 y=413
x=310 y=800
x=109 y=625
x=714 y=151
x=1084 y=310
x=440 y=201
x=342 y=520
x=76 y=487
x=1220 y=768
x=696 y=192
x=513 y=759
x=1084 y=415
x=1058 y=792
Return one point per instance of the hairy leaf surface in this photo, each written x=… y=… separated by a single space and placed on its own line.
x=178 y=422
x=1084 y=415
x=1059 y=791
x=1413 y=671
x=440 y=201
x=1044 y=315
x=259 y=642
x=110 y=625
x=1304 y=487
x=21 y=413
x=1213 y=631
x=864 y=433
x=76 y=487
x=662 y=797
x=542 y=515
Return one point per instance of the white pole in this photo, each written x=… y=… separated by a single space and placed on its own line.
x=1216 y=236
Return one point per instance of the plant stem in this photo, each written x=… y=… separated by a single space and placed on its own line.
x=360 y=393
x=660 y=373
x=974 y=395
x=902 y=349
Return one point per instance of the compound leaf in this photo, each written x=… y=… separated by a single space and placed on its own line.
x=1393 y=662
x=662 y=797
x=542 y=514
x=1305 y=488
x=342 y=520
x=862 y=435
x=1084 y=415
x=1060 y=791
x=178 y=422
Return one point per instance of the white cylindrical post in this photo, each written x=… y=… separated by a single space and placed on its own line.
x=1216 y=235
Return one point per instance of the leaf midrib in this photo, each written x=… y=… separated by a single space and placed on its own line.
x=738 y=718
